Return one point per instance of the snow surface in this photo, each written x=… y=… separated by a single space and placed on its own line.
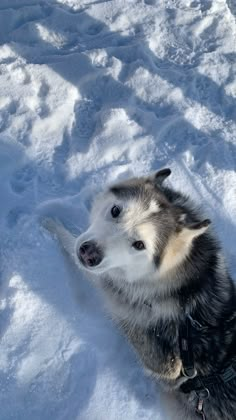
x=93 y=91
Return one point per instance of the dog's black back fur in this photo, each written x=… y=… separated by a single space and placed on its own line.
x=208 y=295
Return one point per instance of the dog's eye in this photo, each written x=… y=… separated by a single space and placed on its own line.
x=139 y=245
x=115 y=211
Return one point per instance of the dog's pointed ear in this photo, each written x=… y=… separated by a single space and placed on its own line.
x=180 y=244
x=191 y=231
x=160 y=176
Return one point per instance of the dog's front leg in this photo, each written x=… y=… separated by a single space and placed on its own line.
x=65 y=238
x=161 y=364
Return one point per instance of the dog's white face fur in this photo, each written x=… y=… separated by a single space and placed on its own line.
x=116 y=237
x=146 y=215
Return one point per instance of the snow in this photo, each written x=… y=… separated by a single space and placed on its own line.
x=90 y=92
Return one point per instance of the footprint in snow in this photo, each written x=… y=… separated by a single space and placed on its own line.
x=150 y=2
x=42 y=94
x=84 y=124
x=15 y=215
x=95 y=29
x=6 y=112
x=22 y=179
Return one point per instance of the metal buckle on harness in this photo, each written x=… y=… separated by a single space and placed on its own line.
x=190 y=372
x=203 y=395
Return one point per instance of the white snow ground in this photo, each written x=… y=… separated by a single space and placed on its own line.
x=91 y=91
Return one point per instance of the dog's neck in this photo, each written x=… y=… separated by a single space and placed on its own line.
x=146 y=302
x=138 y=303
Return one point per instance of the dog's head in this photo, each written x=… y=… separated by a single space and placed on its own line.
x=138 y=230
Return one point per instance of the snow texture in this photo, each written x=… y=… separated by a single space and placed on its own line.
x=92 y=91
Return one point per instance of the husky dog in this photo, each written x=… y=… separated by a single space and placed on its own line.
x=165 y=282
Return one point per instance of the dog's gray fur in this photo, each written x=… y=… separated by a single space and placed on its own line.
x=149 y=292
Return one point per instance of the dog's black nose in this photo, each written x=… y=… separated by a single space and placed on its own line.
x=90 y=254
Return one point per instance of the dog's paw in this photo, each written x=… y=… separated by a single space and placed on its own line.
x=51 y=225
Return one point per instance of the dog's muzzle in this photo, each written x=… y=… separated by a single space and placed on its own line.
x=90 y=254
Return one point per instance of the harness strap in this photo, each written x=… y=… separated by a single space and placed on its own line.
x=200 y=383
x=195 y=382
x=186 y=349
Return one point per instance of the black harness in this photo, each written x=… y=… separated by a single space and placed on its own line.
x=201 y=385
